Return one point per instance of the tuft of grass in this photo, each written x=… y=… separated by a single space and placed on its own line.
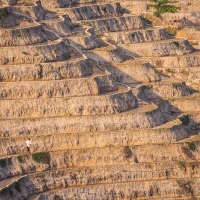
x=182 y=164
x=25 y=53
x=171 y=30
x=21 y=159
x=3 y=162
x=98 y=33
x=42 y=157
x=184 y=72
x=86 y=23
x=192 y=146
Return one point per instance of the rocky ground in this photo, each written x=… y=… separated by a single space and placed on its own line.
x=110 y=100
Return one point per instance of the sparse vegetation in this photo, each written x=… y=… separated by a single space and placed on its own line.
x=21 y=159
x=163 y=6
x=3 y=162
x=42 y=157
x=192 y=146
x=184 y=72
x=25 y=53
x=182 y=164
x=171 y=30
x=98 y=33
x=3 y=13
x=86 y=23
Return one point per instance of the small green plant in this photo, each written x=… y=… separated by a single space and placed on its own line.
x=163 y=6
x=171 y=30
x=20 y=159
x=192 y=146
x=182 y=164
x=17 y=186
x=86 y=23
x=25 y=53
x=74 y=176
x=184 y=72
x=3 y=13
x=185 y=120
x=3 y=162
x=98 y=33
x=42 y=157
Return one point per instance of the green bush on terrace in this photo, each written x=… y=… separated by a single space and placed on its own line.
x=163 y=6
x=3 y=13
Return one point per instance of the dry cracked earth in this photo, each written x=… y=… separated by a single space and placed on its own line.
x=110 y=100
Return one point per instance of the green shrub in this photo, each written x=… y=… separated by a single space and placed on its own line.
x=163 y=6
x=25 y=53
x=182 y=164
x=3 y=13
x=20 y=159
x=98 y=33
x=192 y=146
x=42 y=157
x=3 y=162
x=86 y=23
x=171 y=30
